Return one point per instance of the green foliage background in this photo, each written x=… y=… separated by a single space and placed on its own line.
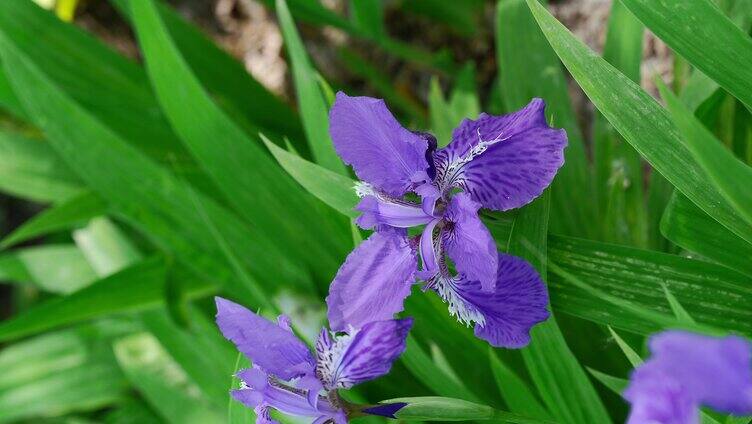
x=169 y=181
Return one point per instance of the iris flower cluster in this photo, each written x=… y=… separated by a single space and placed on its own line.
x=422 y=203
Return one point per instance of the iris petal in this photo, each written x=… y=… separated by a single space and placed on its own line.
x=469 y=243
x=368 y=137
x=503 y=162
x=373 y=282
x=504 y=316
x=377 y=211
x=708 y=371
x=362 y=354
x=274 y=348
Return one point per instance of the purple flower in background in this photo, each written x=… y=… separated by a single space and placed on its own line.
x=288 y=377
x=687 y=371
x=497 y=162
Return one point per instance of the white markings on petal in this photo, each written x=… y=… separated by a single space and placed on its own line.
x=459 y=307
x=450 y=175
x=330 y=349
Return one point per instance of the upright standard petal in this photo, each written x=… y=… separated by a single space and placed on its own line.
x=713 y=371
x=469 y=243
x=373 y=282
x=274 y=348
x=368 y=137
x=504 y=316
x=503 y=162
x=362 y=354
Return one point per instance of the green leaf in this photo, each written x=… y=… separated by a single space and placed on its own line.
x=680 y=313
x=30 y=169
x=237 y=413
x=639 y=119
x=712 y=294
x=143 y=193
x=331 y=188
x=431 y=408
x=368 y=17
x=615 y=384
x=463 y=103
x=132 y=289
x=717 y=47
x=207 y=364
x=528 y=68
x=618 y=167
x=689 y=227
x=427 y=372
x=226 y=152
x=59 y=268
x=110 y=87
x=57 y=374
x=312 y=105
x=105 y=247
x=725 y=171
x=631 y=355
x=516 y=393
x=226 y=79
x=383 y=84
x=162 y=382
x=66 y=215
x=561 y=381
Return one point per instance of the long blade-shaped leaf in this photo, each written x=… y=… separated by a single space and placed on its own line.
x=712 y=294
x=31 y=169
x=639 y=119
x=66 y=215
x=561 y=381
x=99 y=79
x=142 y=192
x=618 y=167
x=726 y=172
x=131 y=289
x=258 y=189
x=313 y=107
x=717 y=47
x=689 y=227
x=528 y=68
x=226 y=78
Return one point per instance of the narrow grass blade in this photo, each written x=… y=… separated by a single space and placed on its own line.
x=689 y=227
x=31 y=169
x=312 y=105
x=331 y=188
x=420 y=364
x=132 y=289
x=528 y=68
x=717 y=47
x=242 y=171
x=516 y=393
x=162 y=383
x=639 y=119
x=725 y=171
x=63 y=216
x=714 y=295
x=618 y=167
x=558 y=376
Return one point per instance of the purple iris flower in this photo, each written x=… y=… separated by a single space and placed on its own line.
x=288 y=377
x=496 y=162
x=686 y=371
